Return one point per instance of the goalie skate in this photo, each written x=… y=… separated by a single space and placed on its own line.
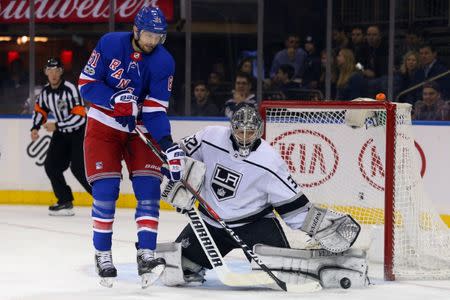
x=149 y=267
x=105 y=268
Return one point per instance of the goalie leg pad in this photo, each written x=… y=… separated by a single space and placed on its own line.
x=300 y=266
x=179 y=270
x=173 y=273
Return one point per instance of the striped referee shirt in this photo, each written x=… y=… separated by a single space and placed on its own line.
x=64 y=103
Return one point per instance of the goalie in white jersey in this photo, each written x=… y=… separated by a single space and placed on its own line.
x=245 y=181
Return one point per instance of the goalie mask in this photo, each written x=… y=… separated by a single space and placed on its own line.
x=246 y=129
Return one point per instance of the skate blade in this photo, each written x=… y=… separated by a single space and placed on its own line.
x=62 y=212
x=107 y=282
x=147 y=279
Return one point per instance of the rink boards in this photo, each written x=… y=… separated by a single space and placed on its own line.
x=23 y=179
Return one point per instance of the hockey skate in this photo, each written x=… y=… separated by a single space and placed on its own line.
x=64 y=209
x=149 y=267
x=105 y=268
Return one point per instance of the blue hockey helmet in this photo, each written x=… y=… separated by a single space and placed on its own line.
x=151 y=19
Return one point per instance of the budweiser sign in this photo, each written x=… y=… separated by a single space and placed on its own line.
x=77 y=11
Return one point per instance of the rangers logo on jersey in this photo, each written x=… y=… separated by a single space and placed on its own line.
x=225 y=182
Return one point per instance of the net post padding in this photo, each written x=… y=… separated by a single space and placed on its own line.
x=389 y=196
x=371 y=172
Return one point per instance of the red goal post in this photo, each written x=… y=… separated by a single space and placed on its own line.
x=359 y=157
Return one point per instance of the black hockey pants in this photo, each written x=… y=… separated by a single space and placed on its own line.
x=66 y=149
x=266 y=231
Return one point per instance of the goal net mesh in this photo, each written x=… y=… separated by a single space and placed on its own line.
x=343 y=168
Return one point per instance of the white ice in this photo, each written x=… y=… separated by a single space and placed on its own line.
x=43 y=257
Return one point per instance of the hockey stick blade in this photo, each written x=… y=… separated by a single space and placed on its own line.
x=304 y=287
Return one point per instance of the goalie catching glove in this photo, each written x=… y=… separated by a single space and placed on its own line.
x=174 y=192
x=334 y=231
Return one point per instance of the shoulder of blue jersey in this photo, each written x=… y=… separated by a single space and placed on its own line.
x=163 y=57
x=112 y=40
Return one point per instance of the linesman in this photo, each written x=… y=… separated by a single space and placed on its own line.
x=62 y=99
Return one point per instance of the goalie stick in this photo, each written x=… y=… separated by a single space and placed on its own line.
x=216 y=260
x=226 y=276
x=213 y=214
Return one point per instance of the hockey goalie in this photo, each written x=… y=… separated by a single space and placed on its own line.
x=245 y=180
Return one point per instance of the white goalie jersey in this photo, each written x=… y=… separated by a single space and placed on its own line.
x=242 y=190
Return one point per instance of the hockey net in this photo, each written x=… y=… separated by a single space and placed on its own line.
x=370 y=170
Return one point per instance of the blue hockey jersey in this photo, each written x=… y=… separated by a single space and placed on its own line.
x=114 y=66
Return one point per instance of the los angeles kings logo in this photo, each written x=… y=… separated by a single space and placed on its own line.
x=225 y=182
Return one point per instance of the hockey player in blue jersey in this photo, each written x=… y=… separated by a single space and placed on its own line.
x=128 y=80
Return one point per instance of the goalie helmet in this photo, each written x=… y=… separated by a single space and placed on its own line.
x=153 y=20
x=246 y=128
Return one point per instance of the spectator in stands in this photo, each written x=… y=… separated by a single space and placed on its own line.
x=406 y=77
x=446 y=111
x=219 y=91
x=241 y=93
x=378 y=53
x=359 y=45
x=431 y=107
x=350 y=83
x=246 y=66
x=377 y=62
x=339 y=39
x=431 y=66
x=311 y=76
x=214 y=78
x=14 y=88
x=323 y=62
x=201 y=104
x=291 y=55
x=411 y=42
x=284 y=84
x=219 y=68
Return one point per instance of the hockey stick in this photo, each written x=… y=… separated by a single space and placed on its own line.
x=216 y=260
x=214 y=215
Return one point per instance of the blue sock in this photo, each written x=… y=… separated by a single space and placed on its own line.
x=105 y=193
x=147 y=193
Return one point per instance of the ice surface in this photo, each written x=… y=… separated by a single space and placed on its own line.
x=49 y=258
